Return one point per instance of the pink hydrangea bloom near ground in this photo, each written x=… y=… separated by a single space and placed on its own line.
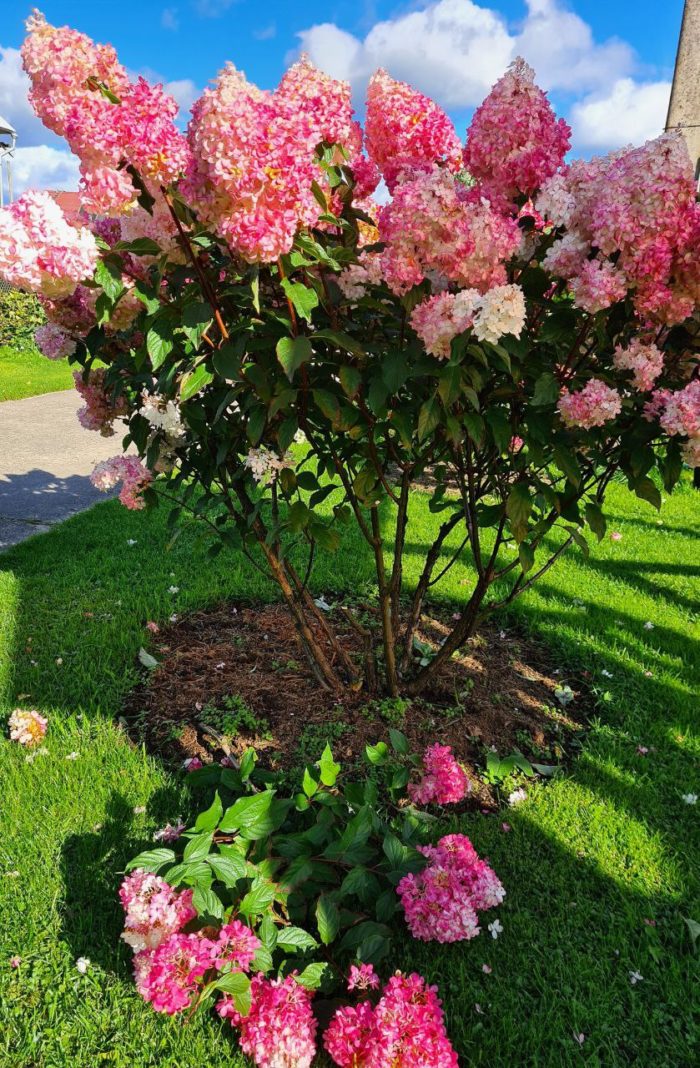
x=681 y=410
x=442 y=901
x=405 y=1029
x=100 y=409
x=40 y=250
x=515 y=142
x=280 y=1029
x=407 y=131
x=435 y=224
x=443 y=780
x=153 y=910
x=127 y=469
x=644 y=360
x=27 y=727
x=593 y=405
x=53 y=342
x=363 y=977
x=168 y=976
x=237 y=944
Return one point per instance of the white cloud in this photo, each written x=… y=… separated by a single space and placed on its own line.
x=184 y=91
x=14 y=100
x=43 y=167
x=169 y=19
x=266 y=33
x=629 y=113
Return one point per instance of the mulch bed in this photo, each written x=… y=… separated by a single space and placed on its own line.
x=235 y=676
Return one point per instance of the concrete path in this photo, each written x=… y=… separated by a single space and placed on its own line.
x=45 y=461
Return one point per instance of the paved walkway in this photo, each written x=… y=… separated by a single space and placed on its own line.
x=45 y=461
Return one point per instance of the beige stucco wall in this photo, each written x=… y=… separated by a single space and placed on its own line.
x=684 y=108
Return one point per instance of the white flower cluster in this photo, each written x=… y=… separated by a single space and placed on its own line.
x=163 y=415
x=500 y=311
x=266 y=465
x=555 y=201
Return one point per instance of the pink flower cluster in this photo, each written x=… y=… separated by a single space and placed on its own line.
x=53 y=342
x=406 y=131
x=443 y=317
x=75 y=314
x=441 y=902
x=638 y=206
x=27 y=727
x=644 y=360
x=515 y=142
x=679 y=415
x=280 y=1029
x=591 y=406
x=135 y=123
x=443 y=780
x=126 y=469
x=153 y=910
x=435 y=224
x=40 y=250
x=406 y=1028
x=100 y=408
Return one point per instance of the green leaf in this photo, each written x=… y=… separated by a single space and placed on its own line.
x=360 y=883
x=141 y=246
x=295 y=938
x=500 y=428
x=327 y=402
x=596 y=519
x=567 y=462
x=193 y=382
x=546 y=390
x=450 y=383
x=399 y=741
x=152 y=860
x=377 y=754
x=207 y=821
x=328 y=767
x=526 y=554
x=580 y=540
x=237 y=984
x=292 y=352
x=371 y=941
x=304 y=298
x=229 y=869
x=196 y=318
x=386 y=905
x=309 y=784
x=394 y=370
x=258 y=899
x=256 y=424
x=474 y=425
x=159 y=341
x=108 y=276
x=646 y=490
x=341 y=341
x=207 y=903
x=518 y=508
x=428 y=418
x=327 y=919
x=313 y=975
x=227 y=360
x=198 y=847
x=255 y=817
x=350 y=380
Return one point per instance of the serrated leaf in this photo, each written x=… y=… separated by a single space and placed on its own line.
x=327 y=919
x=109 y=277
x=309 y=784
x=152 y=860
x=568 y=464
x=254 y=817
x=295 y=938
x=258 y=899
x=526 y=554
x=229 y=869
x=428 y=418
x=518 y=508
x=546 y=390
x=596 y=520
x=313 y=975
x=198 y=847
x=159 y=341
x=193 y=382
x=303 y=297
x=328 y=767
x=207 y=903
x=207 y=820
x=341 y=341
x=398 y=740
x=377 y=754
x=350 y=380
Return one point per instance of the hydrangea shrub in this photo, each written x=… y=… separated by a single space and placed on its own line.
x=519 y=328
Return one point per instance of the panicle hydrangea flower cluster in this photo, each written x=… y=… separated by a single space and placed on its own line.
x=74 y=314
x=153 y=910
x=441 y=903
x=27 y=727
x=443 y=780
x=442 y=317
x=354 y=281
x=126 y=469
x=515 y=142
x=500 y=311
x=591 y=406
x=162 y=413
x=40 y=250
x=101 y=408
x=266 y=465
x=405 y=1028
x=53 y=342
x=434 y=223
x=679 y=415
x=280 y=1029
x=406 y=131
x=638 y=206
x=645 y=361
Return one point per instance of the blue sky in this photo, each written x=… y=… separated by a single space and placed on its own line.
x=606 y=63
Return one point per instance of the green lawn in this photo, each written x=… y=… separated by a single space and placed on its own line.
x=24 y=372
x=590 y=858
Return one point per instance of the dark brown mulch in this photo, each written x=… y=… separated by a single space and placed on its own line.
x=239 y=670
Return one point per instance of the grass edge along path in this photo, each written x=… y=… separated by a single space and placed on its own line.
x=24 y=372
x=600 y=866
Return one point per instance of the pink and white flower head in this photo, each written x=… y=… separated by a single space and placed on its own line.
x=441 y=902
x=40 y=250
x=515 y=142
x=153 y=910
x=645 y=361
x=102 y=408
x=500 y=311
x=192 y=764
x=53 y=342
x=280 y=1029
x=443 y=781
x=125 y=469
x=237 y=945
x=443 y=317
x=591 y=406
x=406 y=1028
x=27 y=727
x=406 y=131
